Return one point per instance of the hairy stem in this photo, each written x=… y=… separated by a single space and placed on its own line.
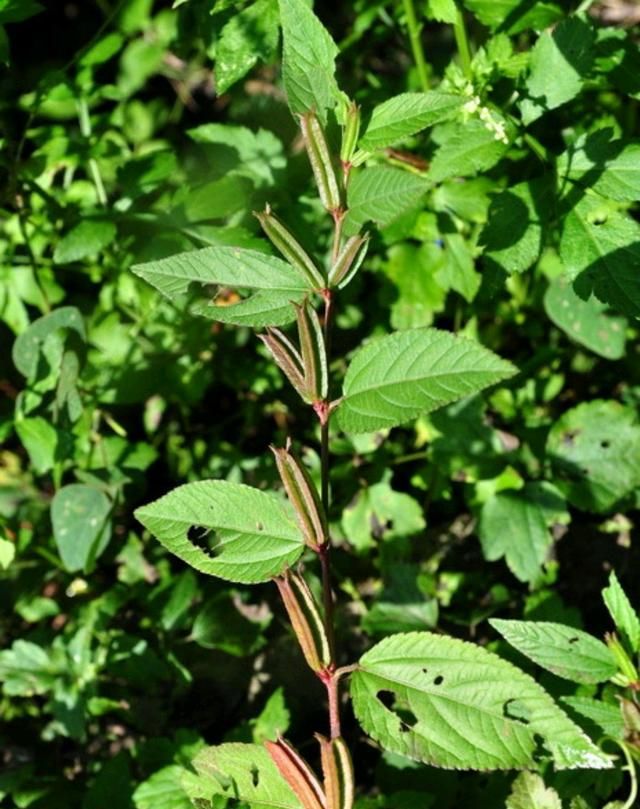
x=415 y=31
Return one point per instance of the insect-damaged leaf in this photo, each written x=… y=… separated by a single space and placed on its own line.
x=241 y=772
x=395 y=378
x=226 y=529
x=563 y=650
x=453 y=704
x=275 y=283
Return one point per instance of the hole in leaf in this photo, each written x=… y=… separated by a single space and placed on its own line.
x=605 y=444
x=408 y=720
x=259 y=526
x=387 y=698
x=204 y=538
x=585 y=471
x=438 y=680
x=568 y=439
x=425 y=671
x=573 y=640
x=255 y=776
x=515 y=710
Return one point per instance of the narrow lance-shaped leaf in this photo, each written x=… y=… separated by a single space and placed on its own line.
x=349 y=261
x=406 y=114
x=350 y=133
x=337 y=770
x=297 y=773
x=284 y=241
x=287 y=358
x=321 y=162
x=395 y=378
x=623 y=614
x=313 y=352
x=303 y=496
x=458 y=706
x=226 y=529
x=306 y=620
x=563 y=650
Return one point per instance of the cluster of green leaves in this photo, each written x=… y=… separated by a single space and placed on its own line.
x=502 y=208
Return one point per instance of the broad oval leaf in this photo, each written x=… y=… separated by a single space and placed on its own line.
x=29 y=345
x=408 y=113
x=276 y=283
x=81 y=526
x=395 y=378
x=562 y=650
x=226 y=529
x=241 y=772
x=458 y=706
x=381 y=194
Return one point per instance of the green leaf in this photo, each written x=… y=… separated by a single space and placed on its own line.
x=595 y=453
x=308 y=60
x=253 y=535
x=404 y=115
x=18 y=10
x=41 y=440
x=610 y=167
x=7 y=553
x=443 y=11
x=459 y=706
x=241 y=772
x=514 y=233
x=220 y=625
x=163 y=790
x=513 y=16
x=26 y=669
x=85 y=240
x=600 y=249
x=29 y=345
x=81 y=526
x=380 y=513
x=465 y=149
x=607 y=717
x=217 y=199
x=394 y=379
x=250 y=36
x=560 y=61
x=277 y=283
x=567 y=652
x=585 y=322
x=528 y=791
x=515 y=524
x=458 y=270
x=381 y=194
x=624 y=616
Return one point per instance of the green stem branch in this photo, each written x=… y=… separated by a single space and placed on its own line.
x=462 y=42
x=415 y=31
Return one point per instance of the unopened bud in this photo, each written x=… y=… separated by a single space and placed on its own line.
x=306 y=620
x=337 y=770
x=297 y=773
x=303 y=496
x=287 y=358
x=312 y=350
x=349 y=261
x=291 y=249
x=321 y=163
x=350 y=132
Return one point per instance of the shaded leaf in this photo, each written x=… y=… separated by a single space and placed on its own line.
x=623 y=614
x=606 y=716
x=28 y=345
x=516 y=524
x=250 y=36
x=514 y=16
x=585 y=321
x=595 y=452
x=81 y=527
x=84 y=241
x=528 y=791
x=465 y=149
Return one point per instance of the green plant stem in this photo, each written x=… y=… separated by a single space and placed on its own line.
x=631 y=769
x=462 y=42
x=415 y=31
x=94 y=169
